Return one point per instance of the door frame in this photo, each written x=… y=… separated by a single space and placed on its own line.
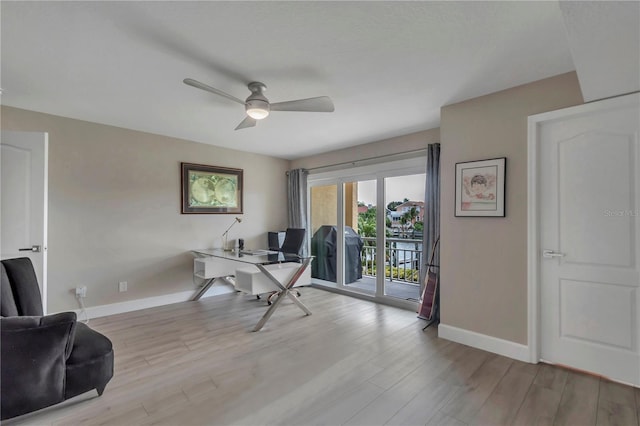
x=533 y=202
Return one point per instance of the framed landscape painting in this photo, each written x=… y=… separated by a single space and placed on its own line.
x=480 y=188
x=211 y=189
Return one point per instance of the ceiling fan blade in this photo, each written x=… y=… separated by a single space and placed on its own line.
x=247 y=122
x=319 y=104
x=202 y=86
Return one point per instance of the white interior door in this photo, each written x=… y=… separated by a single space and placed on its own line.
x=23 y=200
x=589 y=226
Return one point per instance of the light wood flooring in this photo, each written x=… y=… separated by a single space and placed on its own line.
x=352 y=362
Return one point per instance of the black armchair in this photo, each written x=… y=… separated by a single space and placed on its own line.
x=44 y=360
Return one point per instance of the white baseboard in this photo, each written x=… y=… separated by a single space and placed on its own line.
x=486 y=343
x=149 y=302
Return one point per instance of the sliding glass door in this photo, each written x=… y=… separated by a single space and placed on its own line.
x=366 y=227
x=404 y=202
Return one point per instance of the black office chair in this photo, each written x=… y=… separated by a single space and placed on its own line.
x=293 y=240
x=292 y=244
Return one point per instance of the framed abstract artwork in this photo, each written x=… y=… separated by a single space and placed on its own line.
x=480 y=188
x=211 y=189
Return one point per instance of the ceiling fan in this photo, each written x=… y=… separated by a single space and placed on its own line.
x=257 y=106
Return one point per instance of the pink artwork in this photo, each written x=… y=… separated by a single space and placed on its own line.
x=480 y=188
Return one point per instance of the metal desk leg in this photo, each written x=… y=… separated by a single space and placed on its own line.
x=204 y=288
x=207 y=284
x=286 y=290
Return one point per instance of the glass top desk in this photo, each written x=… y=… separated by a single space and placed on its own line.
x=211 y=264
x=263 y=257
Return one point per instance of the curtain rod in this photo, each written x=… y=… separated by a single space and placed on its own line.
x=398 y=156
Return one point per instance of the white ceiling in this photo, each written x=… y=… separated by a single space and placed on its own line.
x=388 y=66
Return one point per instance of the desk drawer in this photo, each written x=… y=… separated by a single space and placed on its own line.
x=250 y=280
x=210 y=267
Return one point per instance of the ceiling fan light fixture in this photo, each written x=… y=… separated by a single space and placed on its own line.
x=257 y=106
x=257 y=109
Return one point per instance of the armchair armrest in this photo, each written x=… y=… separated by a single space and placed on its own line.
x=33 y=354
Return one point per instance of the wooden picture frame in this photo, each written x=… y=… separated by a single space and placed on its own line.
x=480 y=188
x=211 y=189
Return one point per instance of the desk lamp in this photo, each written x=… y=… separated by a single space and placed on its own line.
x=226 y=233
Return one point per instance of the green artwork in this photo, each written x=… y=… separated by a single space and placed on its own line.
x=212 y=189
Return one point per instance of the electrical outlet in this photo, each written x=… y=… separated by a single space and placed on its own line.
x=122 y=286
x=81 y=291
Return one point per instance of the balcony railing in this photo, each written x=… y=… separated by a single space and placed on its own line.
x=403 y=257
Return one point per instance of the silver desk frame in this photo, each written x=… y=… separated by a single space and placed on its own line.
x=284 y=289
x=207 y=285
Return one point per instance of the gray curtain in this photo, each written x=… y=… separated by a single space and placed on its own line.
x=297 y=202
x=432 y=209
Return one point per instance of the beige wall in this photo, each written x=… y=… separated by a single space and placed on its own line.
x=351 y=205
x=114 y=208
x=325 y=200
x=484 y=260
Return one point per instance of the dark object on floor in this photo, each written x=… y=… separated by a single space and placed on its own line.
x=324 y=246
x=44 y=359
x=430 y=295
